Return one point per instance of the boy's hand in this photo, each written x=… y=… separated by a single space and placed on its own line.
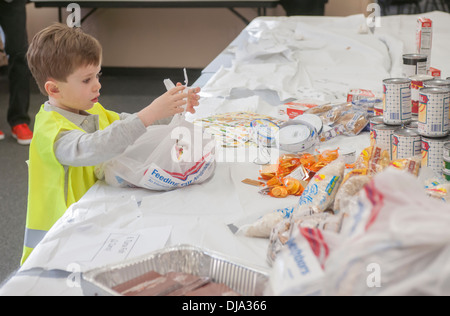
x=167 y=105
x=193 y=98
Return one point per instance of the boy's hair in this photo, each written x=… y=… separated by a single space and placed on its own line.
x=58 y=50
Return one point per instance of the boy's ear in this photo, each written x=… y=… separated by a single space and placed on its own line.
x=51 y=87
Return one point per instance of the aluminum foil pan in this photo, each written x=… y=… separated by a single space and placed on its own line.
x=243 y=279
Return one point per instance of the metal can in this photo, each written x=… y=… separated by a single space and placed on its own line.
x=446 y=174
x=417 y=83
x=446 y=166
x=372 y=122
x=396 y=101
x=434 y=112
x=406 y=143
x=446 y=151
x=432 y=152
x=414 y=64
x=414 y=123
x=438 y=83
x=382 y=135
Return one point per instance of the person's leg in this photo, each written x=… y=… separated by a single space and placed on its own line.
x=13 y=22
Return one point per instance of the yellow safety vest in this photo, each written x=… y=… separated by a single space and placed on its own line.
x=46 y=176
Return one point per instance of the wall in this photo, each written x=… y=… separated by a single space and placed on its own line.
x=167 y=37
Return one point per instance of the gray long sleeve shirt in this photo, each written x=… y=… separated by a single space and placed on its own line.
x=75 y=148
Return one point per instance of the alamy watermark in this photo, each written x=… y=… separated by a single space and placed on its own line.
x=74 y=18
x=374 y=278
x=374 y=18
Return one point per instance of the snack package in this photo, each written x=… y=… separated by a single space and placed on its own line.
x=293 y=172
x=411 y=165
x=321 y=189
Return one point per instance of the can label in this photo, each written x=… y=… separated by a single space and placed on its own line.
x=405 y=146
x=433 y=114
x=432 y=153
x=420 y=68
x=373 y=122
x=397 y=103
x=382 y=137
x=417 y=83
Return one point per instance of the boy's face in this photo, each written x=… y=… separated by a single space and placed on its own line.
x=80 y=91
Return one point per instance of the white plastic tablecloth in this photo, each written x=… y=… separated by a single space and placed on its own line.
x=273 y=60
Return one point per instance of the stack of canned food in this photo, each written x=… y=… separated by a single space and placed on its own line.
x=407 y=131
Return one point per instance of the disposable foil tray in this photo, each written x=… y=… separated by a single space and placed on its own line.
x=243 y=279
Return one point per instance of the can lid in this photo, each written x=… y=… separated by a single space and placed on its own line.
x=412 y=59
x=396 y=80
x=421 y=78
x=410 y=132
x=442 y=139
x=438 y=83
x=447 y=145
x=385 y=127
x=434 y=90
x=376 y=119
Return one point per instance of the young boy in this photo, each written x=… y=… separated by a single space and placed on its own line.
x=73 y=133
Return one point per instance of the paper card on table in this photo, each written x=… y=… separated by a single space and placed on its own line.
x=121 y=246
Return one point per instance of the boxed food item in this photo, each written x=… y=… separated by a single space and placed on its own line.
x=424 y=37
x=291 y=110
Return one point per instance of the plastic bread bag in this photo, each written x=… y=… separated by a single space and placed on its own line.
x=319 y=194
x=397 y=242
x=264 y=225
x=284 y=230
x=348 y=189
x=166 y=157
x=352 y=121
x=296 y=270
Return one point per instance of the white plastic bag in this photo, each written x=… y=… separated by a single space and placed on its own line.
x=396 y=242
x=166 y=157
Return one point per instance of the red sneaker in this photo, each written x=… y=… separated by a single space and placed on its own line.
x=22 y=133
x=2 y=136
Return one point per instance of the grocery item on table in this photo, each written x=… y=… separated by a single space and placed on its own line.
x=406 y=142
x=414 y=64
x=434 y=112
x=294 y=109
x=176 y=270
x=432 y=152
x=263 y=226
x=397 y=101
x=417 y=83
x=295 y=136
x=293 y=171
x=348 y=189
x=234 y=129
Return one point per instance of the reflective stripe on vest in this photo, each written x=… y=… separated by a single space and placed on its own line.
x=47 y=196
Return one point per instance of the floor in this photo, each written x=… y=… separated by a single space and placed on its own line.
x=120 y=92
